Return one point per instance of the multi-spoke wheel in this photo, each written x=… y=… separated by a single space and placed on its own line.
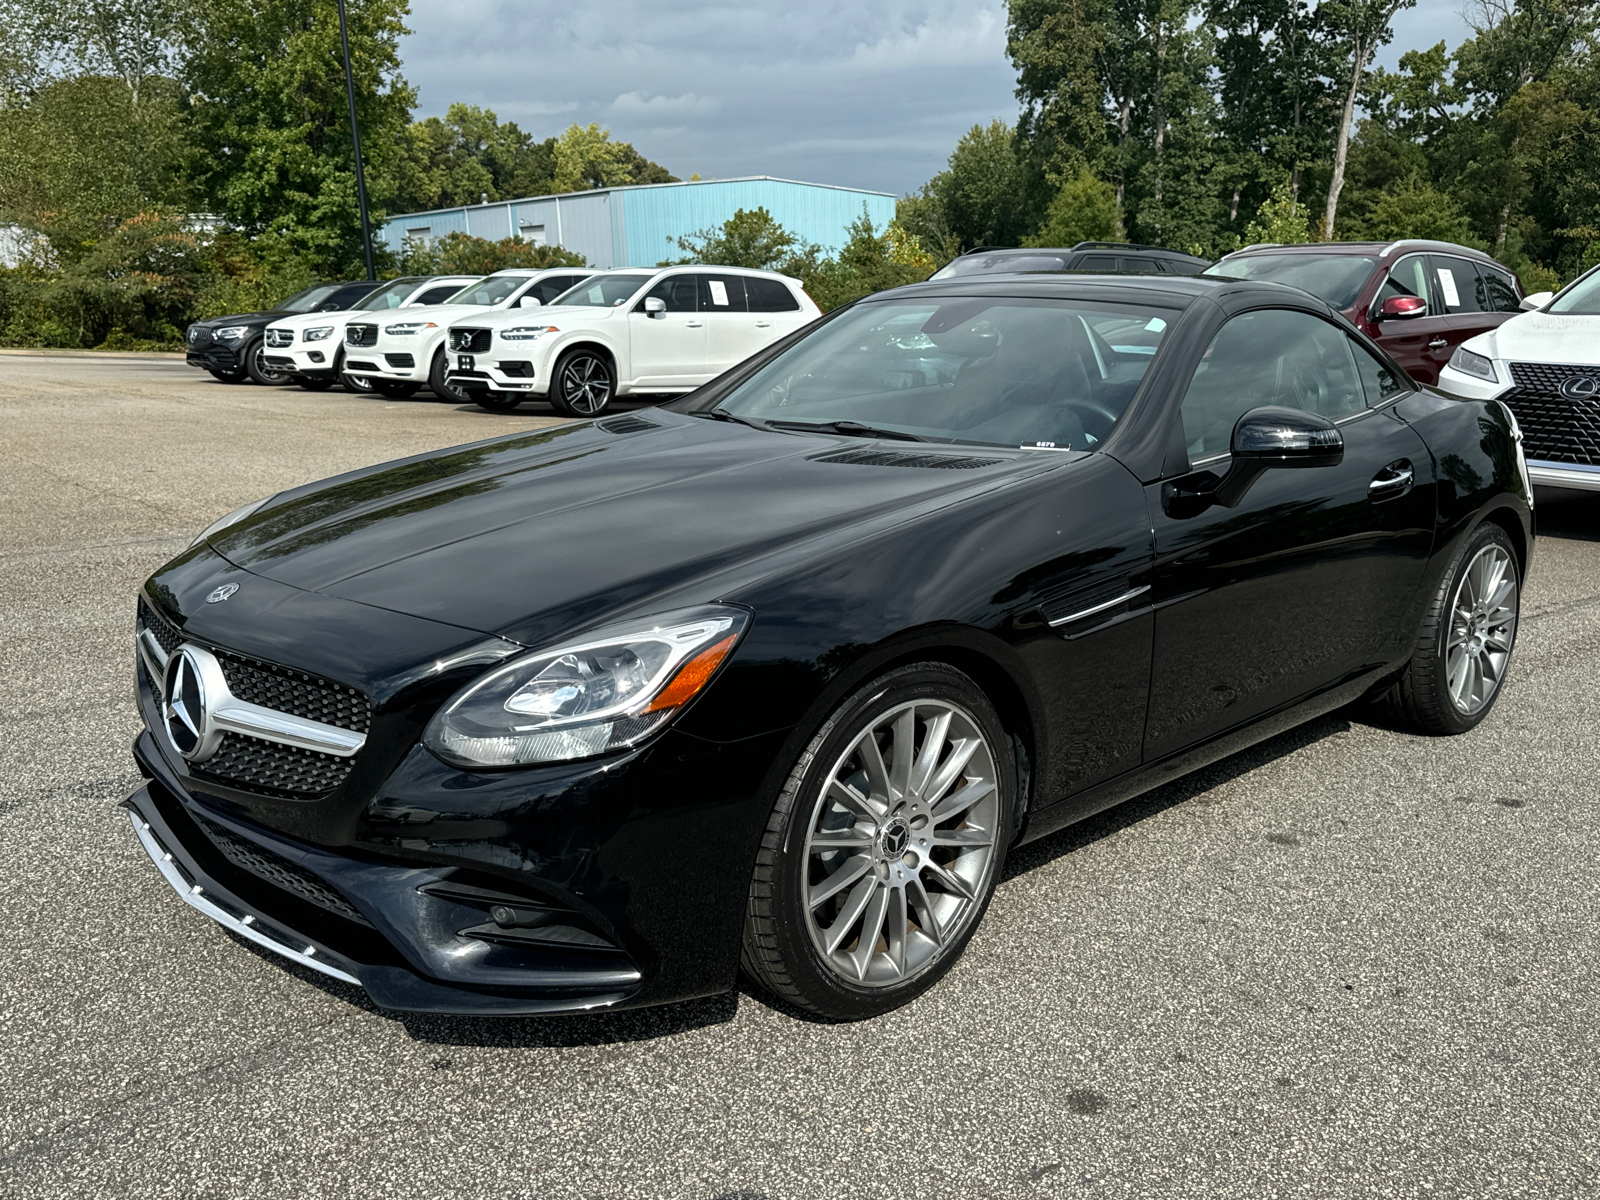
x=582 y=385
x=1468 y=633
x=255 y=365
x=884 y=846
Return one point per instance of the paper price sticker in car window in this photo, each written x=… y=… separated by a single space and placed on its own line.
x=1452 y=298
x=719 y=292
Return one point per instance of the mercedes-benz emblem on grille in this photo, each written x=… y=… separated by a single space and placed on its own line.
x=1580 y=387
x=218 y=595
x=184 y=707
x=194 y=335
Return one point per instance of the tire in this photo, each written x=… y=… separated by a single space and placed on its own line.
x=889 y=857
x=394 y=389
x=315 y=383
x=228 y=376
x=258 y=370
x=1463 y=649
x=438 y=385
x=357 y=384
x=496 y=401
x=583 y=383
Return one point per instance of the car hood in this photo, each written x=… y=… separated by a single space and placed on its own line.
x=1542 y=337
x=252 y=318
x=310 y=320
x=562 y=317
x=537 y=534
x=425 y=312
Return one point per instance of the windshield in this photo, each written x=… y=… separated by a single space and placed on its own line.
x=1581 y=299
x=1007 y=372
x=990 y=264
x=304 y=302
x=603 y=291
x=490 y=290
x=390 y=295
x=1337 y=278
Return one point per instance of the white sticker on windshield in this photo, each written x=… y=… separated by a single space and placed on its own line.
x=1452 y=298
x=719 y=292
x=1155 y=325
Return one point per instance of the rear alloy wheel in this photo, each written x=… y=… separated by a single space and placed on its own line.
x=583 y=384
x=496 y=401
x=255 y=364
x=439 y=385
x=1463 y=650
x=883 y=849
x=394 y=389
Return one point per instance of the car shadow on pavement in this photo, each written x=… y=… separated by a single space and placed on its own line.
x=1075 y=837
x=1561 y=513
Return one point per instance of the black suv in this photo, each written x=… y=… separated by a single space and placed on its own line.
x=1085 y=256
x=230 y=347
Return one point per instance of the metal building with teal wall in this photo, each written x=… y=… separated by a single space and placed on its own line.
x=638 y=226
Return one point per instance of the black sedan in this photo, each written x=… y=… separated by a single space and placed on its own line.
x=773 y=676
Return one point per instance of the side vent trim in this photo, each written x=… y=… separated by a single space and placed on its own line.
x=627 y=424
x=898 y=458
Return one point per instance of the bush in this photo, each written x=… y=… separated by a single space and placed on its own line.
x=462 y=254
x=1084 y=210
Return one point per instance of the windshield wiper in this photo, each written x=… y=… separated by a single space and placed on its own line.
x=852 y=429
x=722 y=414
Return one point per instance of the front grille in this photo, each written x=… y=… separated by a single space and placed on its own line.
x=276 y=870
x=896 y=458
x=273 y=768
x=278 y=338
x=470 y=341
x=399 y=360
x=360 y=335
x=362 y=365
x=165 y=632
x=198 y=338
x=1554 y=428
x=294 y=692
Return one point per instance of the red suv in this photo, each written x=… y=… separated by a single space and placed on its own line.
x=1418 y=300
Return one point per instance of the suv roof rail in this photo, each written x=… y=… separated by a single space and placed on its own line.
x=1122 y=246
x=986 y=249
x=1453 y=247
x=1253 y=246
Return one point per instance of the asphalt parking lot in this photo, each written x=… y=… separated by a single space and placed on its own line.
x=1348 y=963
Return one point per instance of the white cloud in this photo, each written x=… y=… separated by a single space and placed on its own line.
x=638 y=104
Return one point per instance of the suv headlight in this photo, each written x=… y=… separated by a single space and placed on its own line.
x=409 y=327
x=1476 y=365
x=600 y=693
x=232 y=333
x=320 y=333
x=526 y=333
x=232 y=518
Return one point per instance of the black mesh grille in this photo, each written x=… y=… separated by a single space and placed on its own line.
x=169 y=637
x=399 y=360
x=272 y=686
x=628 y=424
x=1554 y=428
x=895 y=458
x=274 y=768
x=360 y=335
x=470 y=341
x=277 y=870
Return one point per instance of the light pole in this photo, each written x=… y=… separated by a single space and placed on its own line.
x=355 y=144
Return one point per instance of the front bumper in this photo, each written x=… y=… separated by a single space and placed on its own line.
x=500 y=374
x=215 y=357
x=402 y=359
x=314 y=359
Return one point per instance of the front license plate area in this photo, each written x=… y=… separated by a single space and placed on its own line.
x=465 y=362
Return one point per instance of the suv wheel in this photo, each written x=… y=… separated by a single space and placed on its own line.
x=254 y=363
x=582 y=384
x=439 y=385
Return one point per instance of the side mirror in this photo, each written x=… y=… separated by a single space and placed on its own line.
x=530 y=302
x=1276 y=437
x=655 y=306
x=1536 y=301
x=330 y=306
x=1403 y=308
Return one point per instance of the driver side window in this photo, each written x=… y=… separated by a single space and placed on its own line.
x=1274 y=356
x=678 y=292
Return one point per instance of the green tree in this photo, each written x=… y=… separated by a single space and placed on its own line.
x=586 y=157
x=1282 y=220
x=271 y=126
x=749 y=238
x=982 y=191
x=869 y=262
x=462 y=254
x=1084 y=210
x=1359 y=28
x=1058 y=47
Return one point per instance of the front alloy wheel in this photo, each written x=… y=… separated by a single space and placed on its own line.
x=582 y=385
x=883 y=850
x=256 y=366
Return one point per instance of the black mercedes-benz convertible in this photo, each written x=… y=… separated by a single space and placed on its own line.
x=772 y=676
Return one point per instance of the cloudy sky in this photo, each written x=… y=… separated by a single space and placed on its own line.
x=868 y=95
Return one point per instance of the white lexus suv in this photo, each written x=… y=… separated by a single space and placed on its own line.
x=1544 y=365
x=409 y=349
x=310 y=346
x=625 y=332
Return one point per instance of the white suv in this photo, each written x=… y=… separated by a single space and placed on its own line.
x=310 y=346
x=625 y=332
x=411 y=350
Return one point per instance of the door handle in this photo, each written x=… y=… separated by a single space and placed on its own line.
x=763 y=324
x=694 y=324
x=1438 y=343
x=1392 y=482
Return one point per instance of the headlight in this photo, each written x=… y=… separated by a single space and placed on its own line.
x=527 y=333
x=600 y=693
x=232 y=518
x=409 y=328
x=232 y=333
x=320 y=333
x=1477 y=365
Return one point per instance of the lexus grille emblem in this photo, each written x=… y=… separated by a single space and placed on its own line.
x=218 y=595
x=184 y=706
x=1580 y=387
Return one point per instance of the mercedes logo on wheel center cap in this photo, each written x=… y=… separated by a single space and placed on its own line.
x=184 y=703
x=1580 y=387
x=895 y=838
x=219 y=594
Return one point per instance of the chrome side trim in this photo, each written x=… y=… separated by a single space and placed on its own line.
x=194 y=896
x=1101 y=607
x=1564 y=475
x=155 y=658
